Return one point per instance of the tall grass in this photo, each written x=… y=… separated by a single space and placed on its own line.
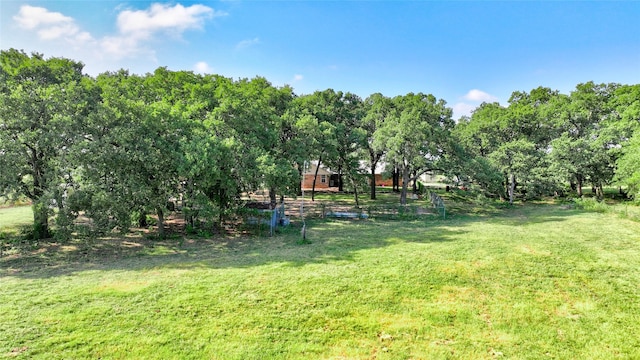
x=627 y=210
x=591 y=204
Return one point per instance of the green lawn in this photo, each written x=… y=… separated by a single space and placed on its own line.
x=12 y=217
x=528 y=282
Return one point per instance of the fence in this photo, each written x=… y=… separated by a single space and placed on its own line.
x=438 y=203
x=318 y=209
x=272 y=217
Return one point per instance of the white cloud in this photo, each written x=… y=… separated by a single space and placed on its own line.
x=247 y=43
x=462 y=109
x=120 y=47
x=31 y=17
x=202 y=67
x=297 y=77
x=51 y=25
x=470 y=101
x=84 y=36
x=479 y=96
x=162 y=17
x=136 y=28
x=58 y=31
x=139 y=26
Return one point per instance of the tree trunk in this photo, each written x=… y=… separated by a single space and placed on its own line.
x=340 y=184
x=506 y=184
x=301 y=173
x=160 y=223
x=405 y=186
x=373 y=181
x=273 y=200
x=142 y=219
x=223 y=207
x=579 y=185
x=188 y=213
x=315 y=176
x=512 y=187
x=40 y=221
x=600 y=191
x=415 y=183
x=395 y=176
x=355 y=192
x=40 y=209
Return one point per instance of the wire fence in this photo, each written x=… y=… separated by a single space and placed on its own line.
x=438 y=204
x=322 y=210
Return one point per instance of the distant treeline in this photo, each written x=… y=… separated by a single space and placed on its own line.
x=116 y=147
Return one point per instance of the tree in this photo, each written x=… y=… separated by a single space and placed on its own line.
x=624 y=111
x=204 y=152
x=475 y=138
x=628 y=166
x=248 y=115
x=416 y=136
x=132 y=153
x=530 y=124
x=624 y=125
x=530 y=117
x=486 y=129
x=299 y=134
x=378 y=110
x=280 y=162
x=350 y=138
x=516 y=159
x=42 y=104
x=316 y=122
x=584 y=150
x=515 y=139
x=211 y=183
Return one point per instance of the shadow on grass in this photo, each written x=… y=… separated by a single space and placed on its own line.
x=329 y=241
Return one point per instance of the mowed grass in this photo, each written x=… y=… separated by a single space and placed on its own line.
x=529 y=282
x=13 y=217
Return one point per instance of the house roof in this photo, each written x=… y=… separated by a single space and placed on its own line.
x=321 y=171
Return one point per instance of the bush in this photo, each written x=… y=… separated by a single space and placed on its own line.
x=190 y=230
x=64 y=225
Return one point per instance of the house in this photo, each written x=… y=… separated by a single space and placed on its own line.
x=384 y=177
x=326 y=179
x=383 y=180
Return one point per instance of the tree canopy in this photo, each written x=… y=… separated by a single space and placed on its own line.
x=119 y=146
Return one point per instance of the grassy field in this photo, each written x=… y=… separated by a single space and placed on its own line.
x=527 y=282
x=13 y=217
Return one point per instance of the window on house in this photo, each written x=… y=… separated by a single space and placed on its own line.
x=323 y=178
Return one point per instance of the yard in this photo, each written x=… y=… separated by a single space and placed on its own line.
x=528 y=282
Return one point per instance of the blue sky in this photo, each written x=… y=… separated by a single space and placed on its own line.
x=464 y=52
